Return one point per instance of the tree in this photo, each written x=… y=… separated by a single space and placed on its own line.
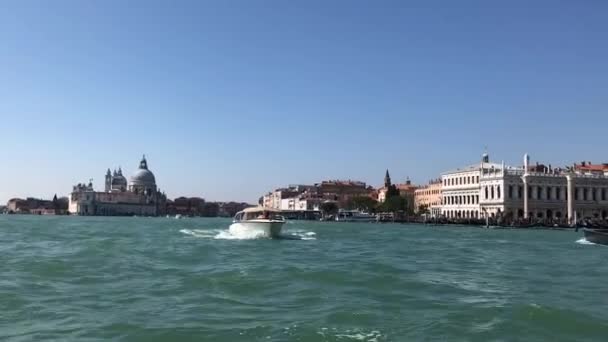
x=394 y=204
x=329 y=208
x=392 y=191
x=423 y=209
x=363 y=203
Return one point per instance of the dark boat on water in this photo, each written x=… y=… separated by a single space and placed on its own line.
x=599 y=236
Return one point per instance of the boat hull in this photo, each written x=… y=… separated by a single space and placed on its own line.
x=596 y=236
x=263 y=228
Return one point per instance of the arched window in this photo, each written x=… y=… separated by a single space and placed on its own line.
x=558 y=193
x=498 y=192
x=492 y=192
x=486 y=192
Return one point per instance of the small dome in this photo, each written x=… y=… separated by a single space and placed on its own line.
x=119 y=180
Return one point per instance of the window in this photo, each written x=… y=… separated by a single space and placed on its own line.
x=492 y=192
x=558 y=193
x=529 y=192
x=603 y=194
x=584 y=194
x=486 y=192
x=498 y=192
x=576 y=194
x=520 y=189
x=539 y=191
x=593 y=195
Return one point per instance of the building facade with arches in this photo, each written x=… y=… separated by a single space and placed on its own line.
x=542 y=192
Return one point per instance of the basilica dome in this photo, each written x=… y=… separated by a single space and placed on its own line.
x=143 y=176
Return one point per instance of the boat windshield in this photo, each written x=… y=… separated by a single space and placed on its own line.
x=261 y=215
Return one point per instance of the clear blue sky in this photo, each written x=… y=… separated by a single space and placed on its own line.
x=229 y=99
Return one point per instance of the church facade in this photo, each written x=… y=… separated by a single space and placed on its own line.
x=138 y=196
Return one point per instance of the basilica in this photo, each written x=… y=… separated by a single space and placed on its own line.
x=137 y=196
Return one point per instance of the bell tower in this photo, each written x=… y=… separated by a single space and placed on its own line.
x=108 y=181
x=387 y=180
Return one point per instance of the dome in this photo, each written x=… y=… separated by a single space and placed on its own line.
x=119 y=180
x=143 y=176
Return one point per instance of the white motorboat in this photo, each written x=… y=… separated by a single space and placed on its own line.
x=355 y=216
x=265 y=221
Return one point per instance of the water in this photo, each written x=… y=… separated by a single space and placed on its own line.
x=159 y=279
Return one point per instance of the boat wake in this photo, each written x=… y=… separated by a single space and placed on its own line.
x=226 y=234
x=583 y=241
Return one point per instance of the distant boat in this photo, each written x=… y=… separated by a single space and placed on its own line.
x=267 y=221
x=599 y=236
x=354 y=216
x=178 y=216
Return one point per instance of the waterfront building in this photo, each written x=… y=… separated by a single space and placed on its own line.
x=35 y=206
x=543 y=192
x=140 y=196
x=17 y=206
x=274 y=198
x=538 y=192
x=460 y=190
x=342 y=191
x=308 y=198
x=429 y=197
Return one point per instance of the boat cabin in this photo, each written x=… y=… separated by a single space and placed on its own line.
x=258 y=213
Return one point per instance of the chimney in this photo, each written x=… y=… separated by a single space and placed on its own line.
x=583 y=163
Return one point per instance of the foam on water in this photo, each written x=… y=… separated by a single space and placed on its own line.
x=584 y=241
x=352 y=335
x=226 y=234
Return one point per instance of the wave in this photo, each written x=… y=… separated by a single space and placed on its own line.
x=226 y=234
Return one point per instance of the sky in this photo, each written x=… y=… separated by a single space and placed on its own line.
x=230 y=99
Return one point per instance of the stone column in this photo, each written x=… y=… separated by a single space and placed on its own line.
x=525 y=179
x=570 y=180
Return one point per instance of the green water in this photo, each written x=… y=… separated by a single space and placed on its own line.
x=160 y=279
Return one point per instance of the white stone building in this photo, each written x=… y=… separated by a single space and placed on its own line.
x=139 y=196
x=460 y=190
x=530 y=192
x=541 y=192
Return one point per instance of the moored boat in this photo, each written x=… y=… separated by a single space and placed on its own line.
x=599 y=236
x=265 y=221
x=355 y=216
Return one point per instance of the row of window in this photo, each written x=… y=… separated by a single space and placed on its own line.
x=461 y=180
x=428 y=192
x=534 y=192
x=463 y=199
x=550 y=193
